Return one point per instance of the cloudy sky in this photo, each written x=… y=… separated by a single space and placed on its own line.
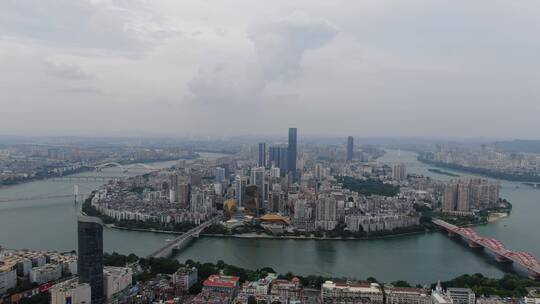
x=421 y=68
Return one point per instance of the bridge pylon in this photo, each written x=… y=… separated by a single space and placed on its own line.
x=533 y=275
x=474 y=245
x=502 y=259
x=451 y=233
x=76 y=193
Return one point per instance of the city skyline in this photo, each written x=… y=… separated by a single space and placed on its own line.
x=372 y=68
x=204 y=202
x=268 y=152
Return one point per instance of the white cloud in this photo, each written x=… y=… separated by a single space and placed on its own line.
x=373 y=67
x=96 y=26
x=226 y=86
x=66 y=71
x=281 y=44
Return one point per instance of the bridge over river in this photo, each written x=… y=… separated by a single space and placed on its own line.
x=502 y=254
x=182 y=241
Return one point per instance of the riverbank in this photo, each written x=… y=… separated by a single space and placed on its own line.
x=492 y=217
x=113 y=226
x=293 y=237
x=3 y=184
x=441 y=172
x=496 y=217
x=91 y=168
x=482 y=171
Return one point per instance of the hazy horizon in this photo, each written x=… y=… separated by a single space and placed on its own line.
x=371 y=69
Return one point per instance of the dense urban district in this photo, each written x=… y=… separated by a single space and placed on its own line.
x=26 y=162
x=316 y=191
x=326 y=192
x=486 y=160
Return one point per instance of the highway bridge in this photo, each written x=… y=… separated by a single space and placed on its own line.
x=182 y=241
x=502 y=254
x=37 y=197
x=59 y=193
x=79 y=178
x=126 y=167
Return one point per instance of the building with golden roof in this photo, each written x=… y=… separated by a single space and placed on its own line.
x=275 y=219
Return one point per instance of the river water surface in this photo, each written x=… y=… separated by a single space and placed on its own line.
x=51 y=225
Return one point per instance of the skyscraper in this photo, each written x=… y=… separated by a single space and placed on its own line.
x=257 y=179
x=274 y=156
x=291 y=151
x=183 y=193
x=240 y=184
x=277 y=157
x=173 y=188
x=350 y=148
x=90 y=259
x=261 y=160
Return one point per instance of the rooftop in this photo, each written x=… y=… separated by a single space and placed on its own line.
x=217 y=280
x=353 y=286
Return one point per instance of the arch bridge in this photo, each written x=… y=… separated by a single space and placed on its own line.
x=502 y=254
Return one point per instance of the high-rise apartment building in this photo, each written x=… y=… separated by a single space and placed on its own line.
x=261 y=159
x=90 y=255
x=350 y=148
x=240 y=184
x=219 y=173
x=326 y=213
x=399 y=172
x=275 y=172
x=465 y=195
x=450 y=196
x=183 y=193
x=292 y=152
x=319 y=171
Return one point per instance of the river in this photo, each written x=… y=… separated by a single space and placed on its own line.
x=51 y=224
x=424 y=258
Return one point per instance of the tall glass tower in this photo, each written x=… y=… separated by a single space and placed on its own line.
x=350 y=148
x=291 y=152
x=261 y=160
x=90 y=259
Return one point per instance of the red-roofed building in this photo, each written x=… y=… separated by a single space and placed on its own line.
x=287 y=291
x=222 y=284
